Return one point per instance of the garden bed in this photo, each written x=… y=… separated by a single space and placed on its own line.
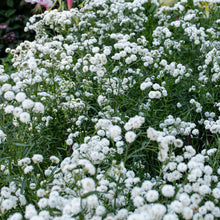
x=112 y=112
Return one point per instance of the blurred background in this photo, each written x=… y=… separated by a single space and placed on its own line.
x=13 y=16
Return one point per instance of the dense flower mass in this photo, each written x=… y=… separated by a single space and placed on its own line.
x=112 y=112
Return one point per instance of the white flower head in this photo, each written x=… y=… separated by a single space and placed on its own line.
x=9 y=109
x=27 y=104
x=152 y=195
x=38 y=107
x=54 y=159
x=25 y=117
x=17 y=111
x=115 y=131
x=168 y=190
x=20 y=97
x=30 y=211
x=88 y=184
x=130 y=136
x=28 y=169
x=9 y=95
x=37 y=158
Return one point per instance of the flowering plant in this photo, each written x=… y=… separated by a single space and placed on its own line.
x=12 y=22
x=46 y=3
x=112 y=112
x=50 y=3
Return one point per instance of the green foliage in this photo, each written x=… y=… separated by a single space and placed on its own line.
x=13 y=16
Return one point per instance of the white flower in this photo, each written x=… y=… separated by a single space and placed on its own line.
x=138 y=201
x=37 y=158
x=38 y=107
x=135 y=216
x=54 y=199
x=4 y=78
x=145 y=85
x=147 y=185
x=176 y=206
x=27 y=104
x=178 y=105
x=207 y=170
x=152 y=196
x=7 y=204
x=158 y=211
x=208 y=217
x=92 y=201
x=136 y=191
x=43 y=203
x=17 y=111
x=2 y=136
x=90 y=168
x=216 y=193
x=20 y=97
x=28 y=169
x=88 y=184
x=115 y=131
x=168 y=190
x=134 y=122
x=196 y=198
x=30 y=211
x=178 y=143
x=130 y=136
x=209 y=205
x=216 y=212
x=69 y=141
x=6 y=87
x=9 y=95
x=170 y=217
x=152 y=134
x=25 y=117
x=184 y=199
x=9 y=109
x=54 y=159
x=100 y=210
x=16 y=216
x=37 y=217
x=72 y=208
x=154 y=94
x=24 y=161
x=204 y=189
x=182 y=167
x=40 y=192
x=101 y=133
x=187 y=213
x=122 y=214
x=45 y=215
x=202 y=210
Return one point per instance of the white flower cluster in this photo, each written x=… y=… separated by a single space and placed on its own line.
x=94 y=88
x=2 y=136
x=164 y=140
x=172 y=126
x=183 y=198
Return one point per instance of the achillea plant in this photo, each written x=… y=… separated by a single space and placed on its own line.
x=112 y=112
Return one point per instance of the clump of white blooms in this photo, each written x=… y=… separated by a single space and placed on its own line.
x=2 y=136
x=112 y=112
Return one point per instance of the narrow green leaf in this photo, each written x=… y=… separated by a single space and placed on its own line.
x=10 y=12
x=10 y=3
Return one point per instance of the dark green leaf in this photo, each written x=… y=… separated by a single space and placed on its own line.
x=10 y=3
x=23 y=185
x=90 y=193
x=153 y=9
x=10 y=12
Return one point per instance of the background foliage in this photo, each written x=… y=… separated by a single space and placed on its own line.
x=13 y=16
